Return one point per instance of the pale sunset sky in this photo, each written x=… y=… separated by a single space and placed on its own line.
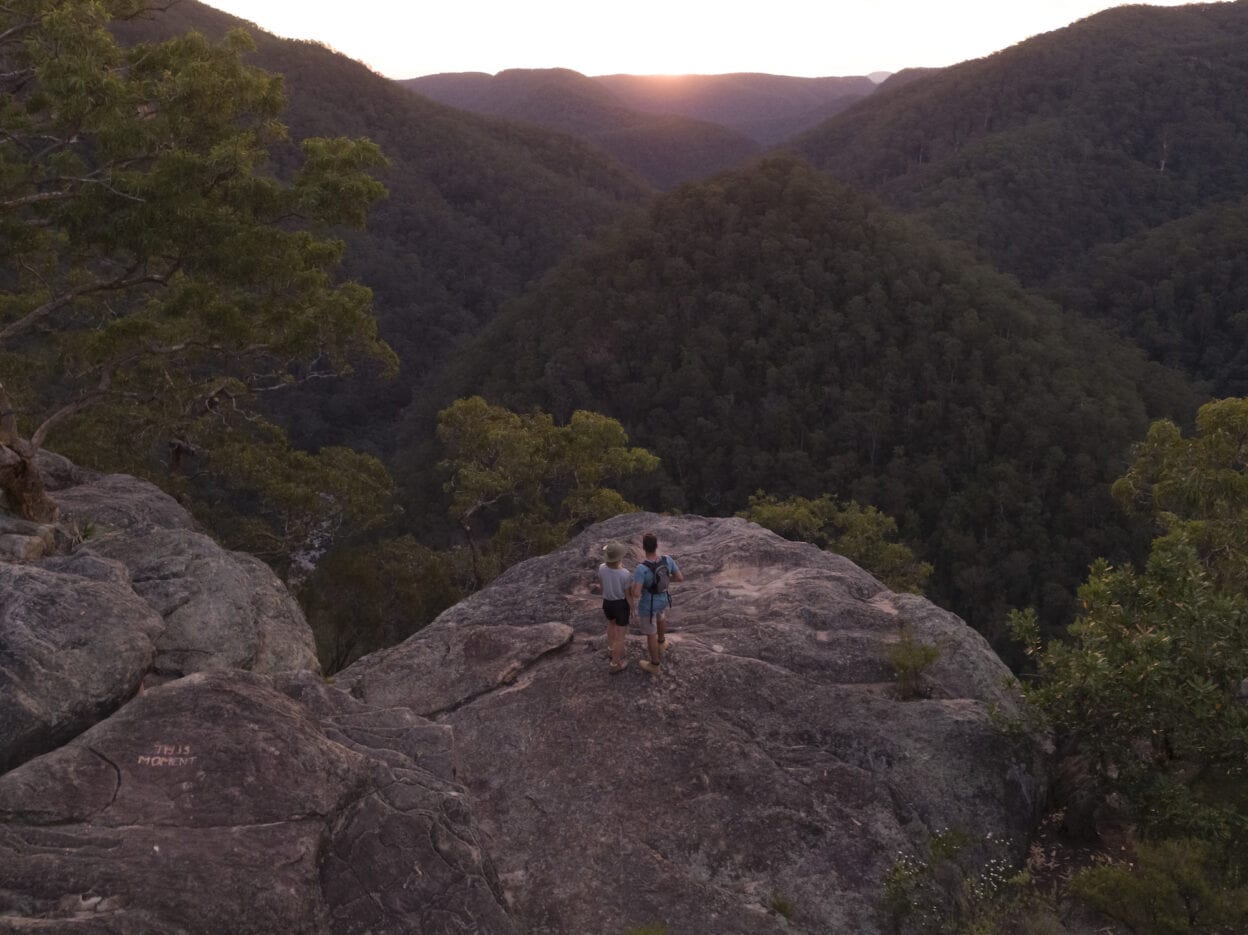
x=784 y=37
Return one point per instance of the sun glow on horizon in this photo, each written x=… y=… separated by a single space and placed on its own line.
x=664 y=39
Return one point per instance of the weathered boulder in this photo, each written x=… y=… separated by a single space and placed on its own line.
x=16 y=548
x=771 y=763
x=119 y=501
x=75 y=643
x=59 y=473
x=219 y=803
x=222 y=609
x=143 y=599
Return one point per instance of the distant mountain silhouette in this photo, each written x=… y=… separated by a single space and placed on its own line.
x=665 y=149
x=905 y=76
x=669 y=128
x=767 y=108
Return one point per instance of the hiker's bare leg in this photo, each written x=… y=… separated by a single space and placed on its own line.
x=615 y=642
x=652 y=646
x=661 y=625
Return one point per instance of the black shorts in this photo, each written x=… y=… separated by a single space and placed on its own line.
x=616 y=611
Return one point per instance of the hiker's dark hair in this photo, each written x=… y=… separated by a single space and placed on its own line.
x=650 y=542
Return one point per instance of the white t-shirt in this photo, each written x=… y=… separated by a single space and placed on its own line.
x=615 y=582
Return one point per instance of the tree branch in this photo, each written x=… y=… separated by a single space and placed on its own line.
x=306 y=378
x=69 y=191
x=36 y=198
x=149 y=8
x=61 y=414
x=33 y=317
x=69 y=409
x=20 y=27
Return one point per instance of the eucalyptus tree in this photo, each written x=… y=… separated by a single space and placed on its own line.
x=528 y=482
x=156 y=276
x=1150 y=684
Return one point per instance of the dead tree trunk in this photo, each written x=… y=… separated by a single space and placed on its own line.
x=21 y=487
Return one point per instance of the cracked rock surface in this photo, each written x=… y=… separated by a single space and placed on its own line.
x=222 y=609
x=72 y=648
x=144 y=599
x=174 y=764
x=232 y=802
x=171 y=762
x=770 y=759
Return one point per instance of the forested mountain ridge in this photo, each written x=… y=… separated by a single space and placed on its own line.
x=1083 y=136
x=771 y=329
x=905 y=76
x=665 y=149
x=476 y=208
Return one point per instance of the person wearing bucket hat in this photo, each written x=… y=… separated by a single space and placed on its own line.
x=615 y=601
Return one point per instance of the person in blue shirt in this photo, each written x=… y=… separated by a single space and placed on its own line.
x=651 y=607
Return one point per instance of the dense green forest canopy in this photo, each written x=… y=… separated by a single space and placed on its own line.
x=476 y=208
x=1179 y=290
x=1146 y=690
x=1083 y=136
x=773 y=330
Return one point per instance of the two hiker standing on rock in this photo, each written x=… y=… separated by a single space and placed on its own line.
x=647 y=597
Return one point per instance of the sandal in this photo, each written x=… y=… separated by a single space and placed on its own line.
x=615 y=667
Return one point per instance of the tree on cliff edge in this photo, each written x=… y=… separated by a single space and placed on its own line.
x=1149 y=684
x=153 y=279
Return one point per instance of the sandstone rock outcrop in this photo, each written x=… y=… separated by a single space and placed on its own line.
x=771 y=758
x=170 y=760
x=217 y=803
x=222 y=610
x=75 y=642
x=144 y=598
x=488 y=775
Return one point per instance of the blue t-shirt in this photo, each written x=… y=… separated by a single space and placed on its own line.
x=652 y=604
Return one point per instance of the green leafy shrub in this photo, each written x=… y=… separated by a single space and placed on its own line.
x=910 y=659
x=862 y=534
x=1174 y=887
x=1146 y=686
x=531 y=483
x=780 y=905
